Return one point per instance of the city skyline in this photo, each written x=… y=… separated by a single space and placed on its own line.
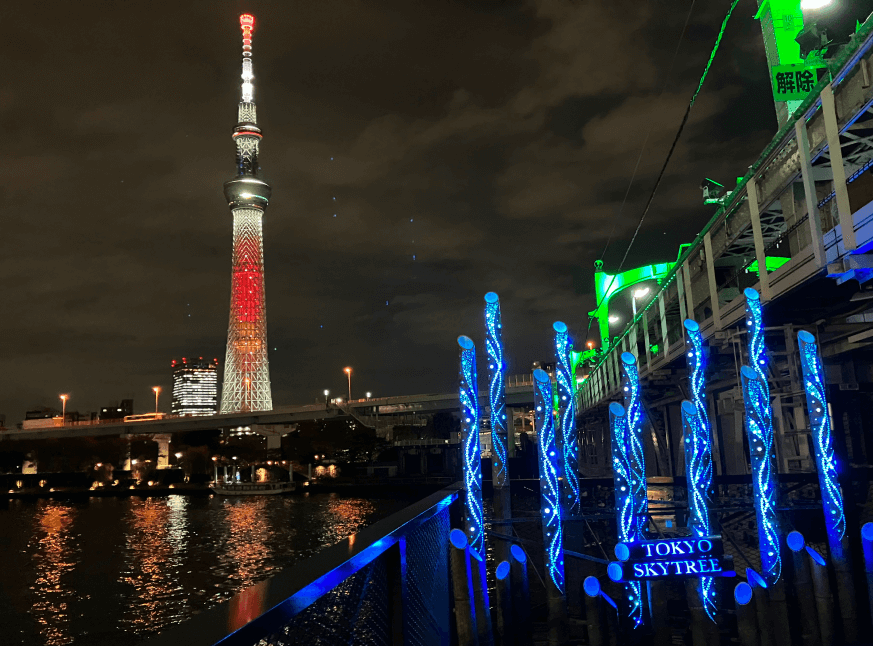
x=505 y=159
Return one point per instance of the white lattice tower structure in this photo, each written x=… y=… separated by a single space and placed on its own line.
x=246 y=367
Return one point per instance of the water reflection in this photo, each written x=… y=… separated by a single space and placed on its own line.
x=248 y=548
x=120 y=569
x=155 y=540
x=54 y=554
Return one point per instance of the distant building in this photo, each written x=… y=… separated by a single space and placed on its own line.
x=119 y=411
x=195 y=386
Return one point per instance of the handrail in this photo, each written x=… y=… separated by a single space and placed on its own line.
x=265 y=607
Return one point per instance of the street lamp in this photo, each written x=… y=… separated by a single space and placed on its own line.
x=613 y=318
x=640 y=293
x=369 y=395
x=157 y=390
x=348 y=372
x=64 y=399
x=326 y=393
x=590 y=345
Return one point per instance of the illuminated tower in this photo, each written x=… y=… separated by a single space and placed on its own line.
x=246 y=369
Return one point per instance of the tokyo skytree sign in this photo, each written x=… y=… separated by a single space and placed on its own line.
x=246 y=368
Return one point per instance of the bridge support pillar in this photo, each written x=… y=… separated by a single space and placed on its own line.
x=274 y=433
x=163 y=450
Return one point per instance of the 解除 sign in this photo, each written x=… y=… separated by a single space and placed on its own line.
x=671 y=558
x=793 y=82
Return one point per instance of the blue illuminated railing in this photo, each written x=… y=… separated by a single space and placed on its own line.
x=568 y=440
x=389 y=579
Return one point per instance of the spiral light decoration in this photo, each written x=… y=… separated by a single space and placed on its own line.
x=634 y=407
x=822 y=440
x=469 y=395
x=550 y=492
x=567 y=419
x=496 y=386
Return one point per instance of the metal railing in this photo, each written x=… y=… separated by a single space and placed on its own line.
x=389 y=583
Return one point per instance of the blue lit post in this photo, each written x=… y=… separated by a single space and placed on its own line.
x=831 y=494
x=759 y=428
x=569 y=442
x=550 y=506
x=698 y=473
x=469 y=395
x=625 y=520
x=633 y=404
x=867 y=544
x=822 y=442
x=698 y=454
x=497 y=405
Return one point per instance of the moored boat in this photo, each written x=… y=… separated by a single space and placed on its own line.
x=251 y=488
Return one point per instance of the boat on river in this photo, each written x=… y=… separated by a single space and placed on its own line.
x=251 y=488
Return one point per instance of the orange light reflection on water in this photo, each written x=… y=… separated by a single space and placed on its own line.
x=155 y=538
x=55 y=556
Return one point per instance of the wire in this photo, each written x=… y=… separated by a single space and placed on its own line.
x=670 y=152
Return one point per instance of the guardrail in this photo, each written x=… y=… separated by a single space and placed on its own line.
x=389 y=583
x=761 y=219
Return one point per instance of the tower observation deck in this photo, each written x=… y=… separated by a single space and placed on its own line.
x=246 y=367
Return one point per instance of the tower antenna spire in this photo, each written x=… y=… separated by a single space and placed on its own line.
x=246 y=368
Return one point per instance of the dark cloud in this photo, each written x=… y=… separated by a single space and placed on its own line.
x=476 y=146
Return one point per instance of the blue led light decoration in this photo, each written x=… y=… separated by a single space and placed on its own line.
x=469 y=395
x=822 y=441
x=550 y=491
x=569 y=441
x=633 y=406
x=496 y=387
x=626 y=523
x=759 y=428
x=698 y=473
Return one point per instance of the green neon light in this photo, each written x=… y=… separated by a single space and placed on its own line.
x=773 y=263
x=607 y=286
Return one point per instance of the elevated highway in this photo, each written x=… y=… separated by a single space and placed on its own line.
x=370 y=412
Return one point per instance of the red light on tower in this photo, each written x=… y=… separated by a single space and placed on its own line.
x=247 y=20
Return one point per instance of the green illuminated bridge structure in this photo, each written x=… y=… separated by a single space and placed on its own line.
x=798 y=228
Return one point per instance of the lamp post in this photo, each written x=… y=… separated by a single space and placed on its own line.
x=639 y=293
x=326 y=393
x=348 y=372
x=157 y=391
x=64 y=399
x=369 y=395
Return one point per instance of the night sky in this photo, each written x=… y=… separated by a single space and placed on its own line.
x=421 y=154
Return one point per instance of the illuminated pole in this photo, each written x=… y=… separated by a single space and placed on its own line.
x=496 y=389
x=348 y=372
x=469 y=396
x=246 y=367
x=634 y=406
x=550 y=505
x=759 y=427
x=698 y=455
x=625 y=520
x=64 y=399
x=698 y=473
x=568 y=440
x=157 y=390
x=816 y=401
x=831 y=494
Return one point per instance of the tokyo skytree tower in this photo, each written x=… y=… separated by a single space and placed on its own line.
x=246 y=369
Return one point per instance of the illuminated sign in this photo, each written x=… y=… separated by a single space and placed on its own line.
x=671 y=558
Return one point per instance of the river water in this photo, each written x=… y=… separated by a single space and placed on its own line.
x=109 y=570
